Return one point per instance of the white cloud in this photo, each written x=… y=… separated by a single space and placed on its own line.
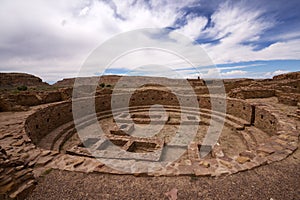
x=275 y=73
x=84 y=11
x=239 y=66
x=46 y=37
x=210 y=73
x=53 y=38
x=235 y=25
x=193 y=27
x=234 y=73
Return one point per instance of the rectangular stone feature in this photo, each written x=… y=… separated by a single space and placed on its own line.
x=142 y=147
x=124 y=129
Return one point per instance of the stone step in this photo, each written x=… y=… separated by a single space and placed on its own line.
x=257 y=135
x=47 y=141
x=206 y=114
x=69 y=126
x=63 y=138
x=248 y=140
x=230 y=117
x=226 y=122
x=237 y=120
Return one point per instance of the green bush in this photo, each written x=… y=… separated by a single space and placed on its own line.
x=22 y=88
x=102 y=85
x=108 y=85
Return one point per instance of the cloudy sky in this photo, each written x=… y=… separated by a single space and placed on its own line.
x=52 y=39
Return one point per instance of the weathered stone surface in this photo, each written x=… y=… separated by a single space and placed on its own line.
x=265 y=149
x=13 y=173
x=249 y=165
x=276 y=157
x=185 y=169
x=23 y=190
x=18 y=143
x=42 y=161
x=248 y=154
x=5 y=180
x=242 y=159
x=226 y=163
x=7 y=187
x=202 y=171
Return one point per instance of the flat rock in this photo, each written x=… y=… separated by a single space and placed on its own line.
x=242 y=159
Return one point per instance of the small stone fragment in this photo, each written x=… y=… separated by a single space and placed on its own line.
x=172 y=194
x=226 y=163
x=205 y=164
x=242 y=159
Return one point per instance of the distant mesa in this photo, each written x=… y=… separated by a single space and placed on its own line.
x=291 y=75
x=69 y=82
x=8 y=80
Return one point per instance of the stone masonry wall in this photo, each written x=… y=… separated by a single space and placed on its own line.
x=52 y=116
x=265 y=121
x=47 y=119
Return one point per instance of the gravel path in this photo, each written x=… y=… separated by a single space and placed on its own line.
x=276 y=181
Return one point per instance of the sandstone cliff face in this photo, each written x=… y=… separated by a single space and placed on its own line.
x=8 y=80
x=292 y=75
x=107 y=79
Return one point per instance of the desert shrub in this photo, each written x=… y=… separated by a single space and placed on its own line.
x=108 y=85
x=102 y=85
x=22 y=88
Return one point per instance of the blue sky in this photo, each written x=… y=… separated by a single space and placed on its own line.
x=255 y=39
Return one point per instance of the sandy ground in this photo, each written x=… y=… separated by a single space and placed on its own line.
x=276 y=181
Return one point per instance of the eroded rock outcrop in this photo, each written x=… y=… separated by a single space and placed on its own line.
x=292 y=75
x=8 y=80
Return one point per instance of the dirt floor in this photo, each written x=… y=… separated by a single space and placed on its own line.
x=276 y=181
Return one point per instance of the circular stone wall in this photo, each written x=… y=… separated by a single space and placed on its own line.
x=252 y=135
